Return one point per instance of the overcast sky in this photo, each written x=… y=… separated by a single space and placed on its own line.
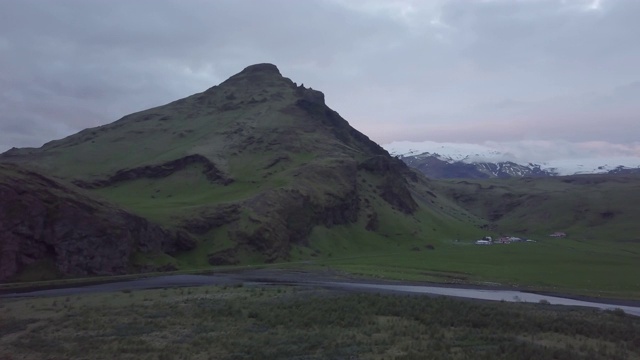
x=468 y=71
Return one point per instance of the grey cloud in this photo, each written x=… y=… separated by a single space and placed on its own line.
x=485 y=70
x=524 y=52
x=119 y=56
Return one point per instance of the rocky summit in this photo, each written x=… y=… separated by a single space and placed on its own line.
x=255 y=169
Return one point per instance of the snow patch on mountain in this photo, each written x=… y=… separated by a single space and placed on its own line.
x=467 y=153
x=590 y=166
x=500 y=153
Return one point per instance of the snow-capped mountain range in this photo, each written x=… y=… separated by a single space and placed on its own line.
x=449 y=160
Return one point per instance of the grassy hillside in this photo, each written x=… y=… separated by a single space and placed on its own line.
x=587 y=207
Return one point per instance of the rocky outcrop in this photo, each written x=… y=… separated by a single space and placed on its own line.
x=312 y=107
x=224 y=257
x=212 y=173
x=272 y=222
x=393 y=188
x=279 y=218
x=212 y=218
x=285 y=217
x=43 y=219
x=394 y=191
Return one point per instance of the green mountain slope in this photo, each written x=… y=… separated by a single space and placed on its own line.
x=256 y=169
x=587 y=207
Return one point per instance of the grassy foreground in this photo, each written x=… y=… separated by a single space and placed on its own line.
x=304 y=323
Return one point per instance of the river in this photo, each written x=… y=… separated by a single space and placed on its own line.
x=305 y=279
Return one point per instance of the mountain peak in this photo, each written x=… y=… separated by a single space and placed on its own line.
x=252 y=85
x=258 y=75
x=264 y=68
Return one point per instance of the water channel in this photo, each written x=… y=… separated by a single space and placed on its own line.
x=292 y=280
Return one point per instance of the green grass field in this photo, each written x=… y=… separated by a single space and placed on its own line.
x=557 y=265
x=237 y=322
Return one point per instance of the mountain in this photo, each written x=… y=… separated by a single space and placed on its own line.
x=624 y=170
x=450 y=161
x=255 y=169
x=438 y=167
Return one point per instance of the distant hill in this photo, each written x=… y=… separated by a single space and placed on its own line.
x=621 y=170
x=589 y=207
x=587 y=199
x=435 y=166
x=256 y=169
x=451 y=161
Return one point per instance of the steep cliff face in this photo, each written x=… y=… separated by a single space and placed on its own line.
x=41 y=219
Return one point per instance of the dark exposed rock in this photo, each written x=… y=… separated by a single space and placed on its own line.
x=264 y=68
x=379 y=165
x=182 y=241
x=393 y=188
x=287 y=218
x=160 y=171
x=256 y=76
x=277 y=160
x=157 y=268
x=339 y=127
x=310 y=95
x=394 y=191
x=373 y=223
x=284 y=217
x=224 y=257
x=230 y=106
x=607 y=214
x=383 y=164
x=43 y=219
x=212 y=218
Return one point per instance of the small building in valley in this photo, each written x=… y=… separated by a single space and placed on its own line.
x=483 y=242
x=558 y=234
